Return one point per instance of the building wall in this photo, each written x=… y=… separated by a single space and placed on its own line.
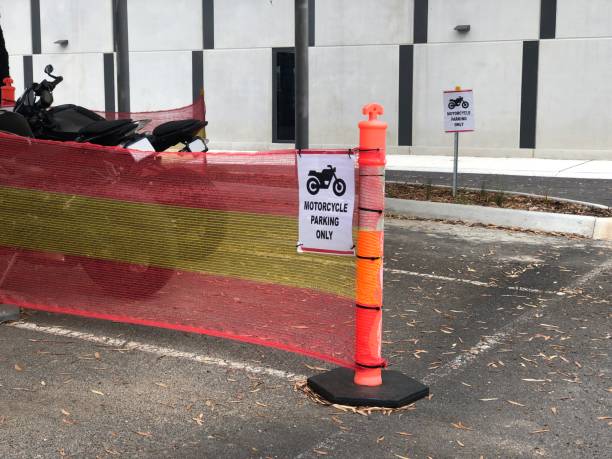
x=363 y=22
x=584 y=18
x=88 y=26
x=574 y=110
x=471 y=66
x=160 y=79
x=15 y=21
x=162 y=25
x=238 y=97
x=253 y=23
x=551 y=101
x=496 y=20
x=342 y=81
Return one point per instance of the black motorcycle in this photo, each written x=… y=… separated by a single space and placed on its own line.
x=71 y=122
x=458 y=102
x=323 y=179
x=34 y=117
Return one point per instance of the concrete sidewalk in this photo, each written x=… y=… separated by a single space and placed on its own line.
x=504 y=166
x=589 y=181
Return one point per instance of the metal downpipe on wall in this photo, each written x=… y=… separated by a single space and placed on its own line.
x=301 y=74
x=120 y=17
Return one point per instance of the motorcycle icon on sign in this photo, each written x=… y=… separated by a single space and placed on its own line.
x=323 y=179
x=458 y=102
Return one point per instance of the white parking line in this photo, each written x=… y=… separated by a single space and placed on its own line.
x=488 y=343
x=468 y=281
x=155 y=350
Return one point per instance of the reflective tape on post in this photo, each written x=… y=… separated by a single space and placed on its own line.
x=370 y=247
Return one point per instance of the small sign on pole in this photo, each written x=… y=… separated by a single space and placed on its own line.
x=458 y=117
x=459 y=110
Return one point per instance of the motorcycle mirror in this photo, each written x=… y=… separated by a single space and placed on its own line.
x=49 y=69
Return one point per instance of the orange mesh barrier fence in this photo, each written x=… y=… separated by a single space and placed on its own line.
x=197 y=111
x=203 y=243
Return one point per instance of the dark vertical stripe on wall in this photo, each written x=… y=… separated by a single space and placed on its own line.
x=208 y=23
x=197 y=73
x=529 y=94
x=548 y=19
x=311 y=22
x=35 y=21
x=274 y=95
x=421 y=18
x=122 y=47
x=109 y=82
x=406 y=78
x=28 y=71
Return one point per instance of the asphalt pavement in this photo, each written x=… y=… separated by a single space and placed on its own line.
x=511 y=331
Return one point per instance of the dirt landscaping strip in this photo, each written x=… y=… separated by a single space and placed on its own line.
x=495 y=199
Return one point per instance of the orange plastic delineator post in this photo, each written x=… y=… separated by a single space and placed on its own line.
x=370 y=243
x=368 y=384
x=7 y=93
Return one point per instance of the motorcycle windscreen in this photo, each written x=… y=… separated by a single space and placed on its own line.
x=201 y=243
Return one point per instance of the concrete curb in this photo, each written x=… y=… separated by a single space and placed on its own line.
x=590 y=227
x=9 y=313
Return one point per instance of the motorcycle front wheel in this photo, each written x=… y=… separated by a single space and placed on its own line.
x=451 y=105
x=126 y=280
x=109 y=266
x=465 y=104
x=312 y=185
x=339 y=187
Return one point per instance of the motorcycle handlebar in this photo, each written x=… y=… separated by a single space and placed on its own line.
x=48 y=85
x=57 y=81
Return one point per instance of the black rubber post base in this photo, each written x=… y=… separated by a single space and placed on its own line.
x=397 y=389
x=9 y=313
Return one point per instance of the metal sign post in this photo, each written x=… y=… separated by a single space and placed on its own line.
x=456 y=164
x=301 y=74
x=458 y=117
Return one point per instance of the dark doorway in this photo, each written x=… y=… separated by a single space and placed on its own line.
x=283 y=95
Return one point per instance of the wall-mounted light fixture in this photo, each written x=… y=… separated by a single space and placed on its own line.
x=463 y=28
x=62 y=43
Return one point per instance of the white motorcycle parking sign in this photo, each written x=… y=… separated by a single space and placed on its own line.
x=327 y=198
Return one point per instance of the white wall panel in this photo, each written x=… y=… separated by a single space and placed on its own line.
x=16 y=26
x=165 y=25
x=254 y=23
x=238 y=85
x=492 y=70
x=363 y=22
x=573 y=97
x=87 y=25
x=489 y=20
x=584 y=18
x=342 y=81
x=16 y=68
x=83 y=77
x=160 y=80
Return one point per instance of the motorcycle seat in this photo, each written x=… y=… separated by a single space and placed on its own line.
x=181 y=126
x=102 y=127
x=174 y=132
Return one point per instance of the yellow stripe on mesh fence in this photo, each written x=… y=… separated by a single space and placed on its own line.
x=257 y=247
